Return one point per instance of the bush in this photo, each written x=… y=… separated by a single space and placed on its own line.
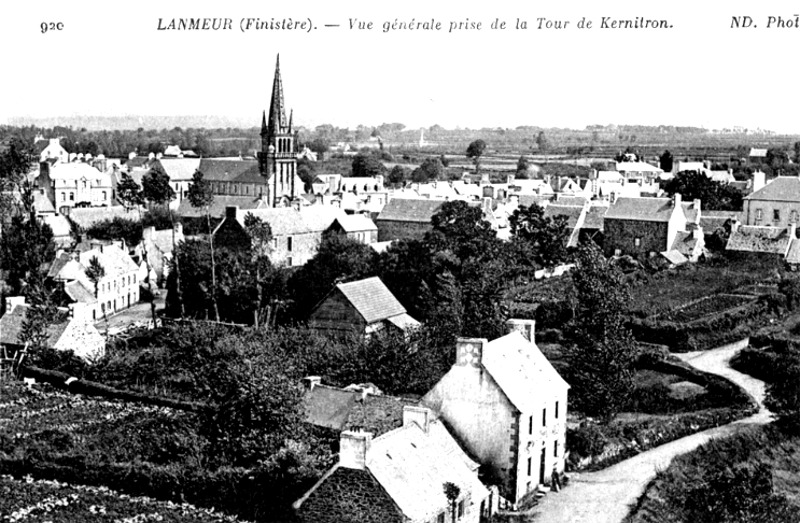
x=587 y=440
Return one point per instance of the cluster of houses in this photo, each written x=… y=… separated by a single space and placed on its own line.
x=494 y=426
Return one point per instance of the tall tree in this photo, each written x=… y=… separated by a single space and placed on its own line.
x=474 y=151
x=451 y=492
x=545 y=237
x=96 y=272
x=714 y=195
x=130 y=194
x=157 y=191
x=26 y=247
x=201 y=196
x=665 y=162
x=367 y=165
x=601 y=350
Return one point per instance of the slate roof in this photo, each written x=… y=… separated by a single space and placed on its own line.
x=674 y=257
x=410 y=210
x=42 y=204
x=114 y=260
x=180 y=169
x=712 y=220
x=88 y=216
x=782 y=188
x=637 y=167
x=320 y=217
x=217 y=208
x=226 y=170
x=641 y=209
x=412 y=465
x=752 y=238
x=594 y=217
x=571 y=212
x=356 y=222
x=78 y=292
x=283 y=221
x=11 y=326
x=527 y=200
x=372 y=299
x=758 y=153
x=339 y=409
x=521 y=370
x=579 y=201
x=793 y=256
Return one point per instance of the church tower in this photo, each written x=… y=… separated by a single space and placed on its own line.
x=277 y=160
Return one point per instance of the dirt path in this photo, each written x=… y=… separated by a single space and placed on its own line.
x=606 y=496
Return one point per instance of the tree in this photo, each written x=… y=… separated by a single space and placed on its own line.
x=777 y=158
x=451 y=492
x=474 y=151
x=367 y=165
x=714 y=195
x=117 y=228
x=26 y=247
x=132 y=197
x=665 y=162
x=157 y=191
x=542 y=142
x=398 y=175
x=16 y=192
x=431 y=169
x=522 y=167
x=546 y=238
x=201 y=195
x=260 y=233
x=339 y=259
x=95 y=272
x=783 y=393
x=601 y=350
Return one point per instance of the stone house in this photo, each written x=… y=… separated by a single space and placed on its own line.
x=75 y=183
x=406 y=218
x=296 y=235
x=365 y=306
x=118 y=289
x=357 y=227
x=508 y=406
x=772 y=245
x=646 y=226
x=398 y=477
x=73 y=329
x=776 y=204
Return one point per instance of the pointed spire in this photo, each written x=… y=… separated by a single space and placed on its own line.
x=263 y=123
x=277 y=112
x=291 y=117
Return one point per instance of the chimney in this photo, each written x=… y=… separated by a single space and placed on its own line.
x=488 y=191
x=309 y=382
x=13 y=301
x=353 y=448
x=759 y=180
x=697 y=233
x=419 y=415
x=484 y=178
x=131 y=155
x=525 y=327
x=734 y=225
x=469 y=351
x=487 y=204
x=510 y=180
x=231 y=211
x=677 y=199
x=792 y=231
x=612 y=198
x=179 y=229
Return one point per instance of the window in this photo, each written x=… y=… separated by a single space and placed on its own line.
x=104 y=195
x=776 y=215
x=72 y=196
x=134 y=278
x=556 y=410
x=555 y=449
x=289 y=243
x=759 y=214
x=637 y=242
x=544 y=417
x=461 y=509
x=440 y=518
x=63 y=196
x=289 y=261
x=529 y=466
x=530 y=425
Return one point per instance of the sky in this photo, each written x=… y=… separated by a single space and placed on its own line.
x=110 y=58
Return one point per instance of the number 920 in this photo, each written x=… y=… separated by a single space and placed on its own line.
x=51 y=26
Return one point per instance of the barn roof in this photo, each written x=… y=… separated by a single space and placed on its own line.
x=372 y=299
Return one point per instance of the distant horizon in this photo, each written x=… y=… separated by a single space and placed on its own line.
x=149 y=122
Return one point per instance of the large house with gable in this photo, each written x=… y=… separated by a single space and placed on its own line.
x=508 y=406
x=398 y=477
x=776 y=204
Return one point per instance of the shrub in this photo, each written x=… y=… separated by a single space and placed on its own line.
x=587 y=440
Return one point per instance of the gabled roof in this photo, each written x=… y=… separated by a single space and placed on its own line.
x=684 y=243
x=410 y=210
x=758 y=153
x=226 y=169
x=674 y=257
x=521 y=371
x=563 y=199
x=412 y=465
x=78 y=292
x=372 y=299
x=217 y=208
x=114 y=260
x=11 y=326
x=637 y=167
x=641 y=209
x=283 y=221
x=356 y=222
x=571 y=212
x=793 y=256
x=180 y=169
x=340 y=409
x=751 y=238
x=526 y=200
x=782 y=188
x=711 y=220
x=594 y=217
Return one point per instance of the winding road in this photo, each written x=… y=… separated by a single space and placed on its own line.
x=606 y=496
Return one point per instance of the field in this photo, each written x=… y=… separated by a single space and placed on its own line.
x=28 y=500
x=707 y=306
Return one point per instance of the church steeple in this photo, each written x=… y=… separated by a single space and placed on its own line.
x=264 y=130
x=277 y=112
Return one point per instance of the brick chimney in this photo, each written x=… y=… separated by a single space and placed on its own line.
x=309 y=382
x=525 y=327
x=231 y=211
x=419 y=415
x=353 y=448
